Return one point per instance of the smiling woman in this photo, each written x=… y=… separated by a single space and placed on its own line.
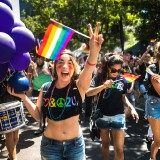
x=109 y=85
x=66 y=65
x=62 y=138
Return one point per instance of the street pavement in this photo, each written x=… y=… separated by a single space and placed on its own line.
x=135 y=148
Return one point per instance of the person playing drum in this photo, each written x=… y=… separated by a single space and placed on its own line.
x=11 y=136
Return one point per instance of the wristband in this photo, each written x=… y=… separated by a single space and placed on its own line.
x=104 y=86
x=91 y=64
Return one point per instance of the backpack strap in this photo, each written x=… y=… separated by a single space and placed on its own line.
x=45 y=89
x=46 y=86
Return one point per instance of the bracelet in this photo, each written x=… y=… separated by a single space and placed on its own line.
x=104 y=86
x=91 y=64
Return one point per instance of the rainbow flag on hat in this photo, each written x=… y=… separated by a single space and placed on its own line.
x=55 y=40
x=152 y=41
x=129 y=78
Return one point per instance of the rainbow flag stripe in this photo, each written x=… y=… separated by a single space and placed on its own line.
x=129 y=78
x=85 y=51
x=54 y=41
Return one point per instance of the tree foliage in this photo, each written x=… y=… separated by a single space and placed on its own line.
x=119 y=18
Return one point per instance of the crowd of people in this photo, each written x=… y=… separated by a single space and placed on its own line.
x=61 y=93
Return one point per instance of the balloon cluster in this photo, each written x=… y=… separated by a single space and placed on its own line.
x=15 y=41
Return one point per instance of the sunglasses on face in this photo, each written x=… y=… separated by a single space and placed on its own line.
x=113 y=70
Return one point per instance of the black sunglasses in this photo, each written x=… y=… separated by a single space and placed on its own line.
x=113 y=70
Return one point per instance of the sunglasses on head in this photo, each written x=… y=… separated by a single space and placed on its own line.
x=113 y=70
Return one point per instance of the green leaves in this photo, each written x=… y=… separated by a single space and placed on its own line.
x=116 y=16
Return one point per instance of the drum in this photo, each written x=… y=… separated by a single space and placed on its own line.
x=11 y=116
x=34 y=100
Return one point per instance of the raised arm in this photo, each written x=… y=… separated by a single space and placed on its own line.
x=95 y=43
x=144 y=55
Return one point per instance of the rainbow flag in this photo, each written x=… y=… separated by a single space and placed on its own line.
x=129 y=78
x=55 y=41
x=85 y=51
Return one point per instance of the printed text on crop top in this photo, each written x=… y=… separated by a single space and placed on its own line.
x=56 y=108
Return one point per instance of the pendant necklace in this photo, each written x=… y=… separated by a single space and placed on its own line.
x=49 y=108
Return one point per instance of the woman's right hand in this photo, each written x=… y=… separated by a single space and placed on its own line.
x=108 y=83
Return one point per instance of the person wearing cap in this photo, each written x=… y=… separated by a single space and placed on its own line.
x=12 y=135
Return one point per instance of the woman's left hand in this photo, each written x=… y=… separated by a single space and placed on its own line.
x=96 y=39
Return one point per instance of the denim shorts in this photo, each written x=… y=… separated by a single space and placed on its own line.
x=136 y=85
x=112 y=122
x=73 y=149
x=152 y=107
x=143 y=91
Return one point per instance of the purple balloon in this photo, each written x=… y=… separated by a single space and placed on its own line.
x=7 y=48
x=3 y=71
x=20 y=62
x=8 y=3
x=23 y=38
x=6 y=18
x=18 y=23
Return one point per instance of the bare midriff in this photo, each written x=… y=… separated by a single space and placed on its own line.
x=63 y=130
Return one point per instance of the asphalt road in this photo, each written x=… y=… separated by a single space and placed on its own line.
x=135 y=148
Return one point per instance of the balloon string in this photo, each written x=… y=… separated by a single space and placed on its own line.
x=12 y=67
x=38 y=43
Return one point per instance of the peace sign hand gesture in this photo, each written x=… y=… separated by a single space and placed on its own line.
x=96 y=40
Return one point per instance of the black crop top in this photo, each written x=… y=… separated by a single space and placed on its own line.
x=55 y=107
x=151 y=90
x=110 y=99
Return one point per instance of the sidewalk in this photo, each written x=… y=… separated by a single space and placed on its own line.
x=135 y=146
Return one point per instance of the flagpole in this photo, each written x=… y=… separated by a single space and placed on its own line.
x=52 y=20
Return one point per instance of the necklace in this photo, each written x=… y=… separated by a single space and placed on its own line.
x=158 y=67
x=49 y=108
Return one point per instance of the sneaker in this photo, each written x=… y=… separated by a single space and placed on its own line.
x=38 y=132
x=26 y=121
x=126 y=135
x=8 y=158
x=149 y=140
